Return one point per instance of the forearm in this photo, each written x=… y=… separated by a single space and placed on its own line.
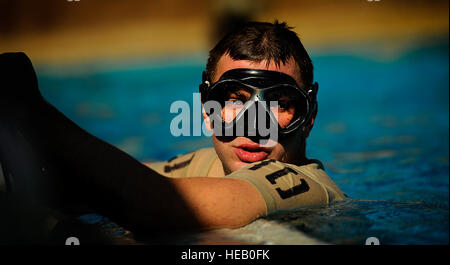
x=196 y=203
x=221 y=202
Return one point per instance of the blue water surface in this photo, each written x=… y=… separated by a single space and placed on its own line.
x=382 y=133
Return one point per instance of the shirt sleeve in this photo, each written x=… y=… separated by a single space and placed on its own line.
x=282 y=186
x=176 y=167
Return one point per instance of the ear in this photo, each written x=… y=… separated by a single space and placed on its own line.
x=207 y=120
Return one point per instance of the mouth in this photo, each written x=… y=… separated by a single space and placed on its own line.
x=251 y=152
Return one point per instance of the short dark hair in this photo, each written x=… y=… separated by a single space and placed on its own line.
x=258 y=41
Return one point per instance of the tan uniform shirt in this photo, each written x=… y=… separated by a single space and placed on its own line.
x=282 y=185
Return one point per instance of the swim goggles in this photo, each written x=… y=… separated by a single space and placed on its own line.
x=241 y=92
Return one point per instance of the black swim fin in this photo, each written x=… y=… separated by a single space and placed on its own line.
x=50 y=160
x=22 y=161
x=18 y=84
x=47 y=158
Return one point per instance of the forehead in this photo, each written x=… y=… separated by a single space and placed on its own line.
x=226 y=63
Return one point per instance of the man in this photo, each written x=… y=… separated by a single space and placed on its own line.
x=240 y=180
x=260 y=46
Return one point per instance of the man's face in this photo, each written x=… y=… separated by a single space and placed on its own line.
x=241 y=151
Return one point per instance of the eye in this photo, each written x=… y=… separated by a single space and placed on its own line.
x=239 y=95
x=234 y=102
x=284 y=104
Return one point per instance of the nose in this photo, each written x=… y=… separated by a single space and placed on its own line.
x=257 y=122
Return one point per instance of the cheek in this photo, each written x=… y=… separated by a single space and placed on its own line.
x=285 y=117
x=218 y=145
x=284 y=120
x=222 y=149
x=225 y=154
x=230 y=111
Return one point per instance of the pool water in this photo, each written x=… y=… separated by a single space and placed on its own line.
x=382 y=133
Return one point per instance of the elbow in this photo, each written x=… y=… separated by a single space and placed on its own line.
x=230 y=221
x=221 y=203
x=228 y=215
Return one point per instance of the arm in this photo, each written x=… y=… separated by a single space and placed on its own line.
x=70 y=166
x=121 y=187
x=184 y=204
x=221 y=202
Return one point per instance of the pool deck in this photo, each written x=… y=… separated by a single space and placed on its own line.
x=385 y=26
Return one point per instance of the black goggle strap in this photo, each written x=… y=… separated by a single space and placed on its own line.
x=203 y=87
x=312 y=91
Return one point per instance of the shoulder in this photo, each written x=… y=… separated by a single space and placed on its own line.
x=315 y=170
x=196 y=163
x=285 y=186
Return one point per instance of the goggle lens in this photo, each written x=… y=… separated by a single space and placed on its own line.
x=286 y=103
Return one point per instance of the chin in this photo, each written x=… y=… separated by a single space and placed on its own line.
x=241 y=164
